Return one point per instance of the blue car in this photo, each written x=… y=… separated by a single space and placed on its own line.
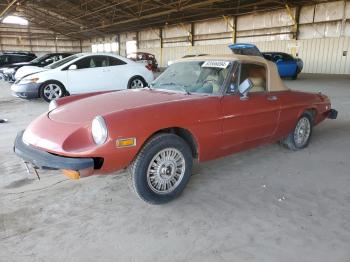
x=287 y=65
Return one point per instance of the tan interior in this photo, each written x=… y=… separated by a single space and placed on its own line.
x=258 y=77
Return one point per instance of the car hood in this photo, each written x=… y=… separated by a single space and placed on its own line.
x=18 y=64
x=28 y=70
x=84 y=110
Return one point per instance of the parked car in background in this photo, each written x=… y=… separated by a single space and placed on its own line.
x=83 y=73
x=199 y=108
x=9 y=58
x=287 y=65
x=145 y=58
x=245 y=49
x=10 y=70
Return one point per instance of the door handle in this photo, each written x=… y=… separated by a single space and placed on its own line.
x=272 y=98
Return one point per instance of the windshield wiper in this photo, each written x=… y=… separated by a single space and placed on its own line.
x=182 y=87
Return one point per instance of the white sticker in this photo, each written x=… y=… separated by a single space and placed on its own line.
x=217 y=64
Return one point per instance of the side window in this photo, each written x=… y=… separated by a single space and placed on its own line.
x=89 y=62
x=102 y=61
x=83 y=63
x=3 y=59
x=256 y=73
x=287 y=57
x=277 y=57
x=17 y=59
x=115 y=61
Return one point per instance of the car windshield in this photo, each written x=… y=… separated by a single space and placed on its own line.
x=63 y=61
x=39 y=59
x=204 y=77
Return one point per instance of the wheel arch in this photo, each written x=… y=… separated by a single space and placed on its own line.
x=310 y=110
x=184 y=133
x=51 y=80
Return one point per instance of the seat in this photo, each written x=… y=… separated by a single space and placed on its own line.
x=258 y=84
x=258 y=78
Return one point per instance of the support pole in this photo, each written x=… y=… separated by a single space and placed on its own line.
x=118 y=36
x=81 y=46
x=192 y=34
x=161 y=45
x=232 y=26
x=137 y=40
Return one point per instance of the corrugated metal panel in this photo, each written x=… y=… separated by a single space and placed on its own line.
x=321 y=55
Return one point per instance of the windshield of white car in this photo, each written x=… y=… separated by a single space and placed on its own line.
x=63 y=61
x=205 y=77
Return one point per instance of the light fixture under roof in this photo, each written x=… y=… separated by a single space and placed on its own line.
x=12 y=19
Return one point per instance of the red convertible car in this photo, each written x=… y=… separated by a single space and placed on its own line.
x=199 y=108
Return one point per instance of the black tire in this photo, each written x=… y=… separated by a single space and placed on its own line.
x=291 y=142
x=138 y=80
x=58 y=90
x=139 y=169
x=295 y=77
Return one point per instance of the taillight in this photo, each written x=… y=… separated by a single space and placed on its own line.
x=149 y=67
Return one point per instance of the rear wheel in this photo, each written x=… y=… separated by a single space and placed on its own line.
x=299 y=138
x=162 y=169
x=52 y=90
x=136 y=82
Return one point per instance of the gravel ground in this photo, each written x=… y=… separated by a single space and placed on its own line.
x=266 y=204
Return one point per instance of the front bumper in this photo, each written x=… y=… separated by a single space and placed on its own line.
x=26 y=91
x=332 y=114
x=44 y=160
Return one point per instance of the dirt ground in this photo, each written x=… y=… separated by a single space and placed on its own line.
x=266 y=204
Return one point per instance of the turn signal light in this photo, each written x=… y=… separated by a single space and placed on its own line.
x=126 y=142
x=149 y=67
x=71 y=174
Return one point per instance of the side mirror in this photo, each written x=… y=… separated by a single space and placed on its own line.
x=73 y=67
x=244 y=88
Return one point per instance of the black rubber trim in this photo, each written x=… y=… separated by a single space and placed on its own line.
x=333 y=114
x=44 y=160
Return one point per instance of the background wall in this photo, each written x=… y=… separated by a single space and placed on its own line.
x=34 y=39
x=319 y=34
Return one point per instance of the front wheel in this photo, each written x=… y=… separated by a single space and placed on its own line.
x=162 y=169
x=52 y=90
x=299 y=138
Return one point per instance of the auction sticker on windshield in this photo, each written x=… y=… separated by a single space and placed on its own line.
x=218 y=64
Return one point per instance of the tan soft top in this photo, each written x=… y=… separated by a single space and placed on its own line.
x=274 y=82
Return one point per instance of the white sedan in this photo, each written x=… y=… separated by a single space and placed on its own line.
x=83 y=73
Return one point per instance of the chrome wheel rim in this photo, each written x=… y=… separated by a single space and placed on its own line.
x=136 y=83
x=302 y=132
x=52 y=91
x=166 y=171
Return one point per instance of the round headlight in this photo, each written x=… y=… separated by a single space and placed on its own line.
x=99 y=130
x=53 y=105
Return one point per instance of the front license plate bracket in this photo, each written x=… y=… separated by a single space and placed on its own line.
x=30 y=167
